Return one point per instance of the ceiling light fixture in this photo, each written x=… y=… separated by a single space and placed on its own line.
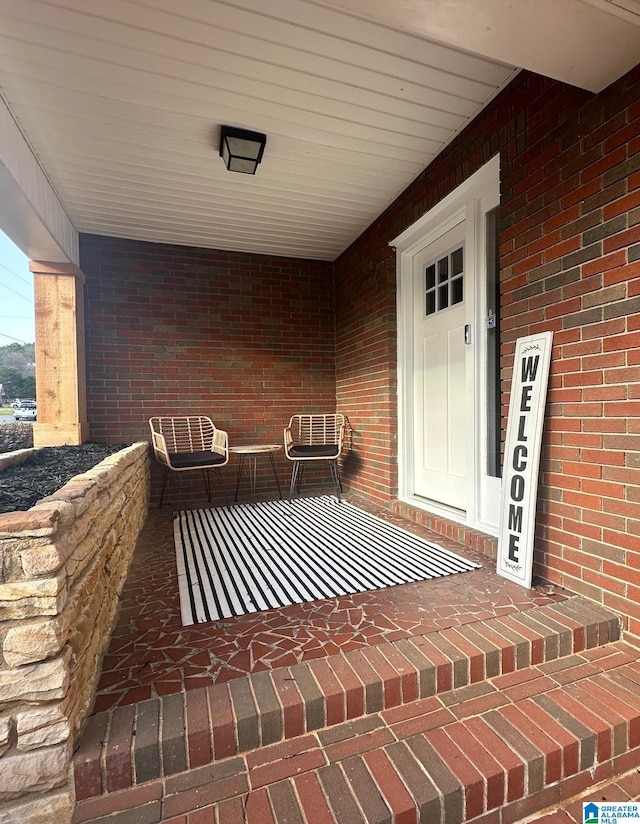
x=241 y=150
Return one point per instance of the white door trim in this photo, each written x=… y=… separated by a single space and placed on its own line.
x=470 y=203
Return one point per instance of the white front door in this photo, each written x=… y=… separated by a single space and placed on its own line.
x=439 y=365
x=448 y=376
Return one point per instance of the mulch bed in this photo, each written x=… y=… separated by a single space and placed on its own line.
x=15 y=436
x=45 y=472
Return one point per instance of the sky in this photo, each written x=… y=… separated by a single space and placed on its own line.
x=17 y=323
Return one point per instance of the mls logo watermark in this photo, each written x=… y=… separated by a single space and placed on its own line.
x=605 y=812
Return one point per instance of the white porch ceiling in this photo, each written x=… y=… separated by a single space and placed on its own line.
x=121 y=102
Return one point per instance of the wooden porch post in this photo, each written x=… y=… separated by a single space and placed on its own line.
x=60 y=360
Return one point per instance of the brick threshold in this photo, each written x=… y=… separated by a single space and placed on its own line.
x=388 y=690
x=462 y=534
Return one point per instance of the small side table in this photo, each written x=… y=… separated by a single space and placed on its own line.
x=251 y=453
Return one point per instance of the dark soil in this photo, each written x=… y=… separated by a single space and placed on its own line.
x=15 y=435
x=23 y=485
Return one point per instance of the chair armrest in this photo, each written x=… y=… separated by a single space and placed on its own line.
x=160 y=448
x=220 y=442
x=340 y=439
x=288 y=439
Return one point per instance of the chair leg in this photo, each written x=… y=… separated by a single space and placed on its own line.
x=164 y=486
x=335 y=474
x=300 y=474
x=176 y=492
x=294 y=478
x=223 y=488
x=207 y=483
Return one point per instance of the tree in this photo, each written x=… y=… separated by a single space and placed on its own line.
x=17 y=371
x=20 y=356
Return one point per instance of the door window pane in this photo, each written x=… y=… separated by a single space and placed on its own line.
x=456 y=291
x=456 y=261
x=444 y=281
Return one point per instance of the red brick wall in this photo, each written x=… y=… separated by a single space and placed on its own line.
x=570 y=258
x=570 y=262
x=366 y=367
x=246 y=339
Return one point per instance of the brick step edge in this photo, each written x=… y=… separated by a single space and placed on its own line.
x=489 y=753
x=137 y=743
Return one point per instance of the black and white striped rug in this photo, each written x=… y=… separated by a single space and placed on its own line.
x=253 y=557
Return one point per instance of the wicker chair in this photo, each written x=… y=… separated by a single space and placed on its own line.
x=182 y=444
x=314 y=438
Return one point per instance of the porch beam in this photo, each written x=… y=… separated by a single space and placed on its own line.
x=60 y=360
x=31 y=213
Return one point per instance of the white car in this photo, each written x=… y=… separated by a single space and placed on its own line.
x=26 y=411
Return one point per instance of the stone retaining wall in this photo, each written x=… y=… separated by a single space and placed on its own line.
x=62 y=567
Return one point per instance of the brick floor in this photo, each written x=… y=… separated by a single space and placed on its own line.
x=151 y=654
x=512 y=700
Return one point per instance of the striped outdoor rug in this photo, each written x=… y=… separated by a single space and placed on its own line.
x=259 y=556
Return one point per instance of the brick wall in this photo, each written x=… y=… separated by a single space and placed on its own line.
x=366 y=367
x=570 y=262
x=570 y=255
x=246 y=339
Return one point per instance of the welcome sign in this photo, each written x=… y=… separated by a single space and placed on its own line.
x=522 y=457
